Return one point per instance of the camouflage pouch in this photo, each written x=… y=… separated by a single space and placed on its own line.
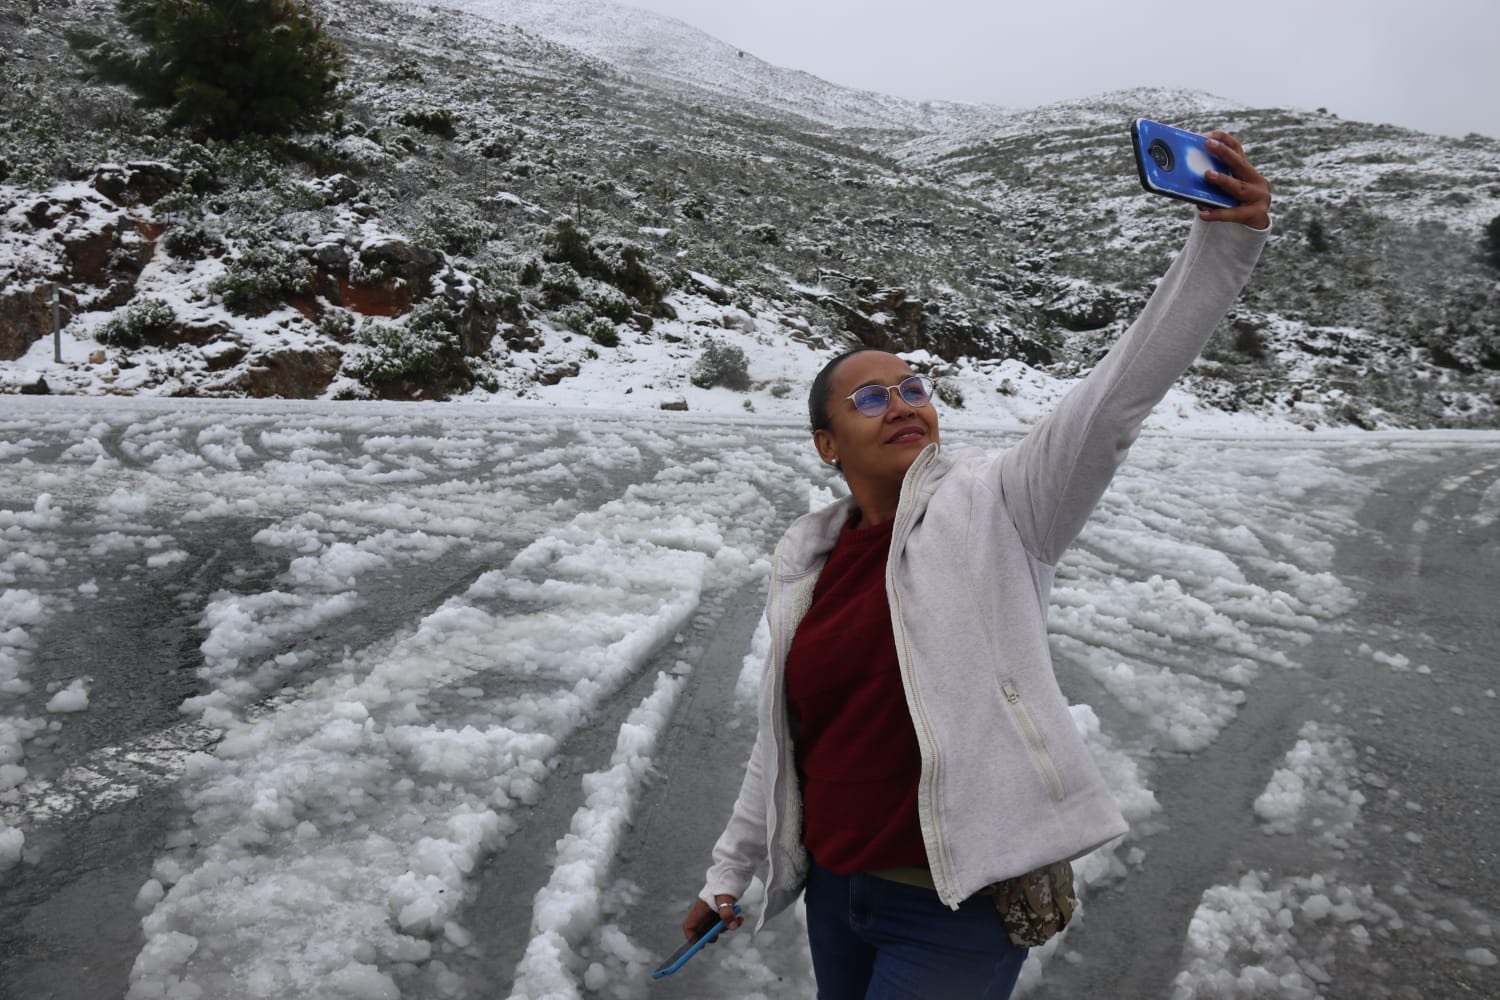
x=1036 y=905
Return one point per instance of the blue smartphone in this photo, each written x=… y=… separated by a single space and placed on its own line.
x=679 y=958
x=1172 y=162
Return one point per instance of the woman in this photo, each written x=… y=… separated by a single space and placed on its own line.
x=914 y=750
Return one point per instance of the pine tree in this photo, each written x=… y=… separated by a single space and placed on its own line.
x=224 y=67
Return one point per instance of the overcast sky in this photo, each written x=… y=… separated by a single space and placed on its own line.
x=1431 y=65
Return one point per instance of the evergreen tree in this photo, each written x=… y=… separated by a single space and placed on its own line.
x=224 y=67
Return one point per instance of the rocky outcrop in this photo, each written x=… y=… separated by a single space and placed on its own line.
x=888 y=319
x=95 y=236
x=25 y=318
x=85 y=241
x=389 y=277
x=292 y=373
x=1083 y=306
x=383 y=278
x=142 y=183
x=555 y=374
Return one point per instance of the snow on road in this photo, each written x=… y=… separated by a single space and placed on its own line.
x=403 y=617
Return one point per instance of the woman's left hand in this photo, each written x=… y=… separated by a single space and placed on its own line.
x=1243 y=183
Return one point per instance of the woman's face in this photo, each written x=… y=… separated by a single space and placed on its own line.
x=874 y=450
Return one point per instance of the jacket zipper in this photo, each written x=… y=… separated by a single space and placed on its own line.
x=1034 y=742
x=942 y=875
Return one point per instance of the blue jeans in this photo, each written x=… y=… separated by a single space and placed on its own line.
x=875 y=939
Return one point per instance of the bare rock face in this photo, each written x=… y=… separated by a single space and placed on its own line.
x=90 y=240
x=94 y=239
x=386 y=278
x=85 y=242
x=292 y=373
x=557 y=373
x=25 y=318
x=143 y=183
x=888 y=319
x=476 y=319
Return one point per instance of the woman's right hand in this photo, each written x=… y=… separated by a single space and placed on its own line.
x=1244 y=183
x=702 y=916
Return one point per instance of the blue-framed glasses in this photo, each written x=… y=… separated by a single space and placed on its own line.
x=874 y=400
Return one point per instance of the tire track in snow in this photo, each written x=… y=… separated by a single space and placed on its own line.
x=1132 y=934
x=500 y=914
x=573 y=614
x=1439 y=495
x=108 y=777
x=566 y=908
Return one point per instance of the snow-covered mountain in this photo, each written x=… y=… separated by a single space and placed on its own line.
x=575 y=200
x=677 y=56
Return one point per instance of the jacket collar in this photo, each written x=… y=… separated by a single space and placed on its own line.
x=809 y=539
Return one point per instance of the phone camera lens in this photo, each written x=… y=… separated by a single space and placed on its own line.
x=1161 y=153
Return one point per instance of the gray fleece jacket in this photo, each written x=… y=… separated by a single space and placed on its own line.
x=1007 y=783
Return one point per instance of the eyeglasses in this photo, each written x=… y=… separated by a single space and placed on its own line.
x=874 y=400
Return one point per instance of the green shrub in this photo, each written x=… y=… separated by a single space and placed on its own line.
x=569 y=245
x=336 y=324
x=361 y=273
x=605 y=300
x=190 y=242
x=223 y=67
x=141 y=319
x=435 y=316
x=405 y=71
x=424 y=344
x=262 y=277
x=762 y=232
x=721 y=364
x=603 y=332
x=1492 y=241
x=625 y=264
x=950 y=395
x=560 y=284
x=612 y=259
x=453 y=227
x=437 y=121
x=576 y=317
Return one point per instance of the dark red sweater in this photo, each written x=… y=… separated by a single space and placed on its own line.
x=856 y=748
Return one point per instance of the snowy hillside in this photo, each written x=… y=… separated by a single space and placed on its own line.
x=566 y=201
x=664 y=50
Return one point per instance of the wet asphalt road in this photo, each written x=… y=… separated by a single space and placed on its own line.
x=1428 y=580
x=1429 y=584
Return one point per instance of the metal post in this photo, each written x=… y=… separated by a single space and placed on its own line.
x=56 y=325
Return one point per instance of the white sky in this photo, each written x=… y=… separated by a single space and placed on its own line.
x=1433 y=66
